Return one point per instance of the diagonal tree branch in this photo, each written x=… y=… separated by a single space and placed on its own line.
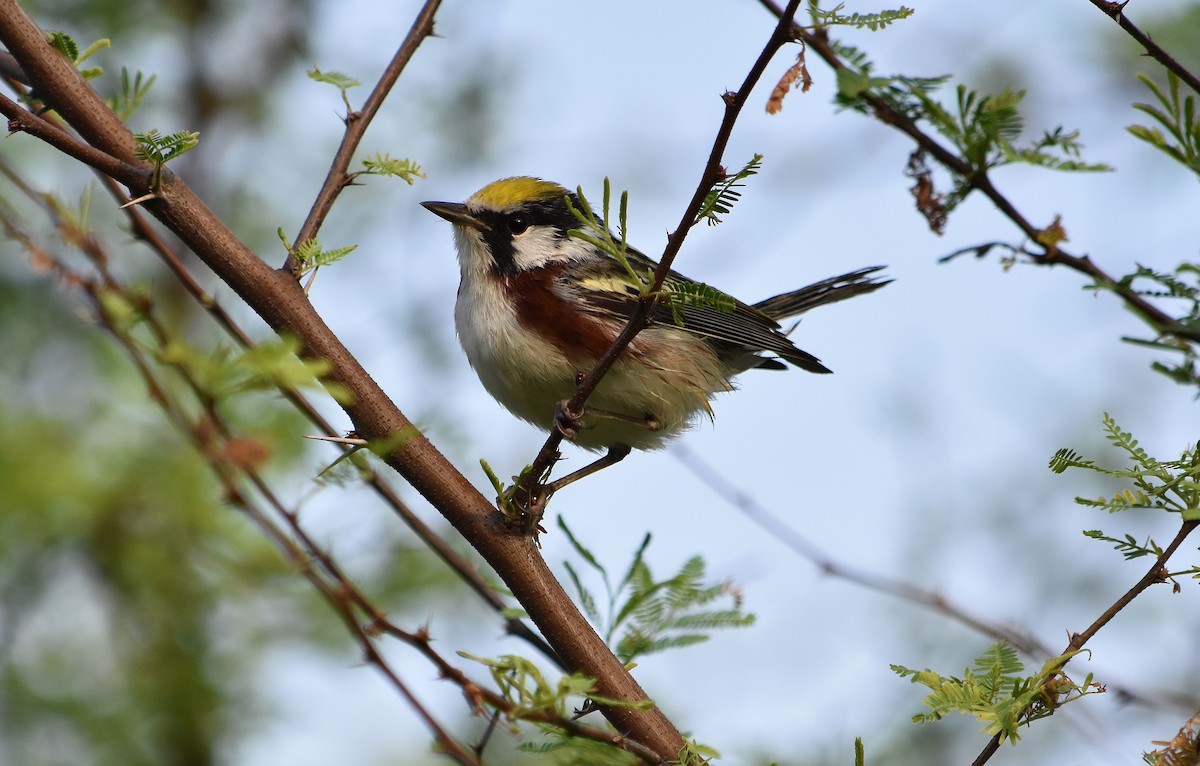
x=1116 y=12
x=280 y=302
x=712 y=173
x=1155 y=575
x=827 y=564
x=41 y=126
x=1161 y=321
x=513 y=626
x=356 y=126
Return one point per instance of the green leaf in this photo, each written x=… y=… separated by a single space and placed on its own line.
x=1150 y=484
x=586 y=600
x=92 y=49
x=342 y=82
x=133 y=92
x=995 y=692
x=583 y=552
x=720 y=198
x=158 y=149
x=1068 y=458
x=1177 y=115
x=644 y=615
x=1128 y=546
x=338 y=80
x=311 y=256
x=678 y=295
x=597 y=233
x=65 y=44
x=386 y=165
x=822 y=19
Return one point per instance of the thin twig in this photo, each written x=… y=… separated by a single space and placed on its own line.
x=356 y=126
x=277 y=298
x=1019 y=638
x=1116 y=12
x=339 y=590
x=420 y=641
x=828 y=565
x=22 y=120
x=41 y=126
x=335 y=593
x=640 y=319
x=1154 y=575
x=1161 y=321
x=197 y=433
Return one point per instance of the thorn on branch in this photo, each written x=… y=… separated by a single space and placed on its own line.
x=374 y=628
x=474 y=697
x=351 y=439
x=139 y=200
x=1162 y=575
x=1115 y=10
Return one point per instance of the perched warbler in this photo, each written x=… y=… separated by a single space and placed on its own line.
x=537 y=308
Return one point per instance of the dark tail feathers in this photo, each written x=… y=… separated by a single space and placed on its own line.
x=826 y=291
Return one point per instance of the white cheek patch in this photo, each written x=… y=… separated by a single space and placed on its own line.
x=541 y=245
x=538 y=246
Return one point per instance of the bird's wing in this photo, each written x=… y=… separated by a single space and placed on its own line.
x=732 y=326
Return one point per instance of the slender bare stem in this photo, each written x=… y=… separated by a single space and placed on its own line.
x=356 y=126
x=1155 y=574
x=1162 y=322
x=640 y=319
x=1116 y=12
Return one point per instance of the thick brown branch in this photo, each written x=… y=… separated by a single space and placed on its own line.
x=61 y=87
x=442 y=549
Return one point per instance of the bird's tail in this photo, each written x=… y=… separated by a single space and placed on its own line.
x=826 y=291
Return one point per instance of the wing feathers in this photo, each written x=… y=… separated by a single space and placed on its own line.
x=745 y=331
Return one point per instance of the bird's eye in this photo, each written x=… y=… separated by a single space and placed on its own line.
x=517 y=225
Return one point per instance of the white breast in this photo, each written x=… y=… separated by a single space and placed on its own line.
x=672 y=377
x=523 y=372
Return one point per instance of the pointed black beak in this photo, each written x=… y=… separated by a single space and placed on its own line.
x=457 y=214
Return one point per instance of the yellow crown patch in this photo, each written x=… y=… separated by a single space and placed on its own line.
x=508 y=192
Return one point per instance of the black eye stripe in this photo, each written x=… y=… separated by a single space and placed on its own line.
x=551 y=213
x=505 y=227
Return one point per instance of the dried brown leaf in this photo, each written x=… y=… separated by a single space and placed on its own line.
x=796 y=74
x=930 y=204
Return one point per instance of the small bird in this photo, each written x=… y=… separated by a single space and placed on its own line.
x=537 y=308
